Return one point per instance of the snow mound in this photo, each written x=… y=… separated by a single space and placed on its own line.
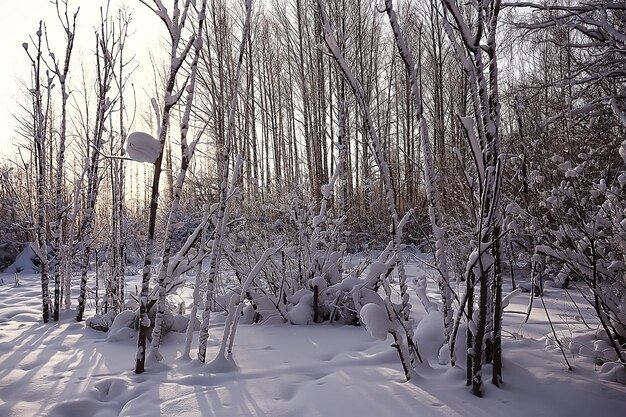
x=304 y=295
x=301 y=313
x=101 y=322
x=124 y=326
x=248 y=315
x=376 y=321
x=179 y=323
x=267 y=310
x=24 y=262
x=429 y=335
x=220 y=365
x=443 y=358
x=319 y=282
x=80 y=407
x=111 y=388
x=613 y=371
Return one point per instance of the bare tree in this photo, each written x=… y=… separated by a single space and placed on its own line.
x=434 y=210
x=179 y=49
x=60 y=206
x=187 y=152
x=40 y=95
x=108 y=46
x=119 y=215
x=474 y=43
x=406 y=349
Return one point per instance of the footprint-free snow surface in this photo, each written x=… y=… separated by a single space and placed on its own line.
x=64 y=369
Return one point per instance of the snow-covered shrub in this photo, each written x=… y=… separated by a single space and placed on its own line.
x=123 y=325
x=611 y=371
x=579 y=225
x=311 y=256
x=301 y=312
x=429 y=335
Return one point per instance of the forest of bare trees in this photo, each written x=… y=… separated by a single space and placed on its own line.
x=283 y=135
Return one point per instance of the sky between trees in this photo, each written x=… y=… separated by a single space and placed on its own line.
x=20 y=20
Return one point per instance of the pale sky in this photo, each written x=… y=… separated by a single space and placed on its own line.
x=20 y=18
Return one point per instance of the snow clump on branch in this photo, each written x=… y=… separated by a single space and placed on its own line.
x=141 y=147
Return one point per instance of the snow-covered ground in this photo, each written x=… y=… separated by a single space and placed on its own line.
x=64 y=369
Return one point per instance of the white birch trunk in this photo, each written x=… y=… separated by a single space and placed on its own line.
x=40 y=112
x=198 y=281
x=187 y=152
x=104 y=73
x=59 y=206
x=174 y=25
x=234 y=311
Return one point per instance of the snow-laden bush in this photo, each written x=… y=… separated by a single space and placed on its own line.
x=578 y=229
x=123 y=326
x=310 y=261
x=338 y=303
x=611 y=371
x=595 y=347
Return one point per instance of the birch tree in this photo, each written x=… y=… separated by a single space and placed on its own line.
x=179 y=49
x=119 y=213
x=61 y=73
x=187 y=151
x=108 y=47
x=40 y=96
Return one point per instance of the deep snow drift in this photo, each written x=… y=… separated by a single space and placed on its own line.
x=64 y=369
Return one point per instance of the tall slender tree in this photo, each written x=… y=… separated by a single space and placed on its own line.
x=179 y=49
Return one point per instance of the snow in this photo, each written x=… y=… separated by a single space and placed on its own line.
x=429 y=334
x=124 y=326
x=66 y=369
x=376 y=321
x=142 y=147
x=101 y=322
x=319 y=282
x=23 y=262
x=301 y=313
x=611 y=371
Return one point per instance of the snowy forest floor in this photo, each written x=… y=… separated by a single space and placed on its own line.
x=65 y=369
